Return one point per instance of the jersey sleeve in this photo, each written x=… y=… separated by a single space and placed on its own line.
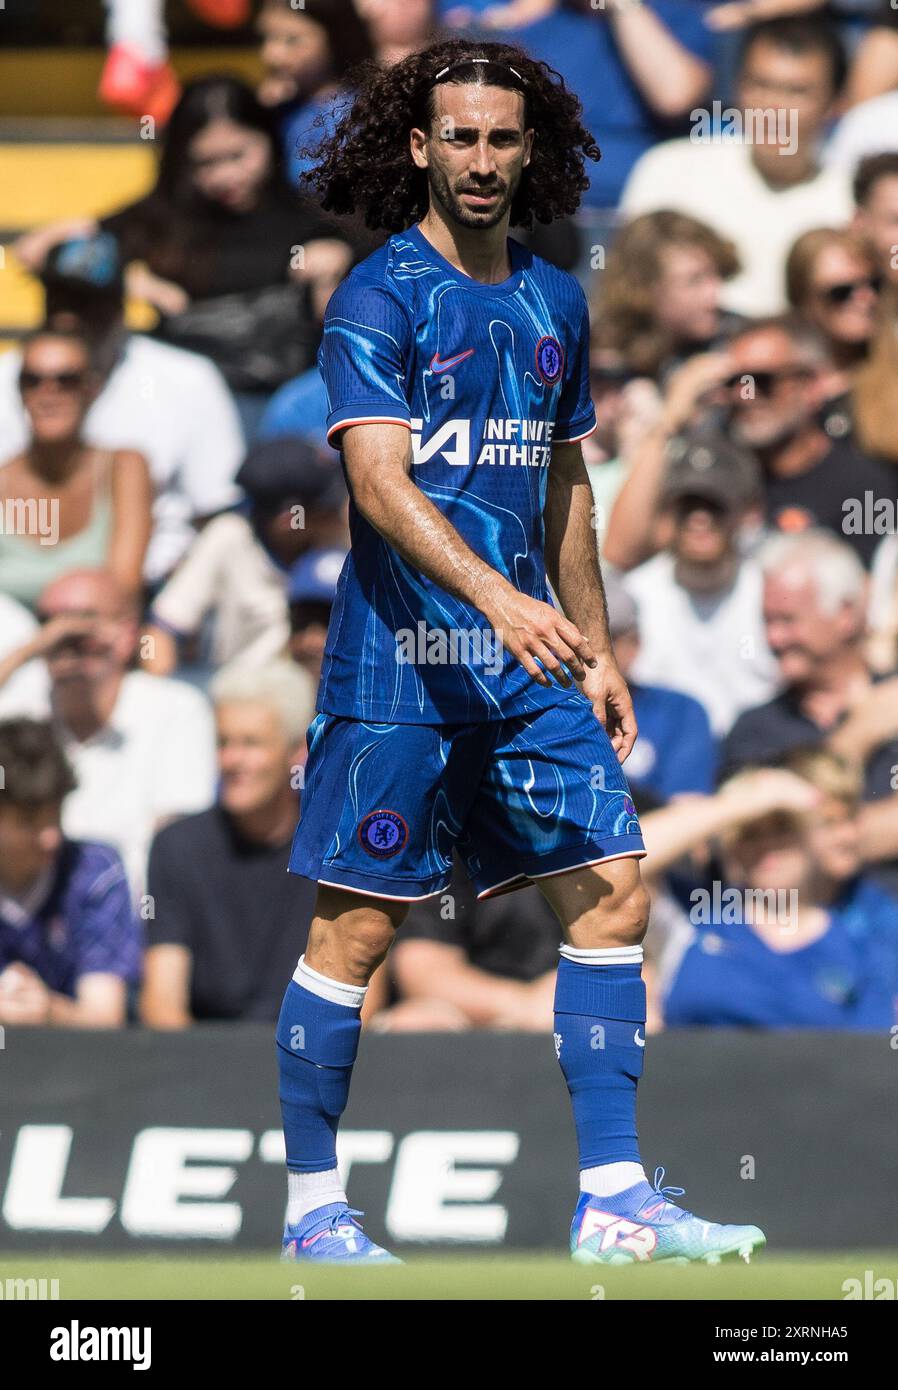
x=576 y=416
x=363 y=359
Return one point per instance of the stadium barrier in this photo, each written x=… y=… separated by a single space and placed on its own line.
x=123 y=1141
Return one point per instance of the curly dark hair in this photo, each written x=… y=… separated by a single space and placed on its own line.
x=365 y=165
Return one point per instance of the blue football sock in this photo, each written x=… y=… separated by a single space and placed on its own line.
x=317 y=1042
x=600 y=1039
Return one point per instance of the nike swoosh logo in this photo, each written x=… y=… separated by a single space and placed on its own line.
x=437 y=366
x=640 y=1042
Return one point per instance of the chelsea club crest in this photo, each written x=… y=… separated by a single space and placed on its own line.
x=549 y=360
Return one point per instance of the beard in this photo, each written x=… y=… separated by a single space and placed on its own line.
x=450 y=199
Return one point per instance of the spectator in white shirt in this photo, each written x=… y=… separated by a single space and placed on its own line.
x=170 y=405
x=142 y=747
x=699 y=601
x=758 y=181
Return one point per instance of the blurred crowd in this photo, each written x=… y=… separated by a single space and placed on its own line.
x=173 y=524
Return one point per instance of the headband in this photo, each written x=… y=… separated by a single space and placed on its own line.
x=490 y=62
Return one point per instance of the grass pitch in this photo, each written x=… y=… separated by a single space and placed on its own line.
x=449 y=1276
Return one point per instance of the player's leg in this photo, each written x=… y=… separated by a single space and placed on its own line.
x=380 y=807
x=317 y=1041
x=554 y=808
x=600 y=1044
x=600 y=1013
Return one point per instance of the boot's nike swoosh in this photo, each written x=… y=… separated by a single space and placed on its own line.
x=437 y=366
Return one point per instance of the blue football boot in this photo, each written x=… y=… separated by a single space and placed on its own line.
x=641 y=1224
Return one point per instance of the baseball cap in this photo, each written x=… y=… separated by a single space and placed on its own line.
x=704 y=463
x=289 y=467
x=90 y=265
x=313 y=578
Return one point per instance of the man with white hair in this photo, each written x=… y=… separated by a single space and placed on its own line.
x=814 y=614
x=228 y=919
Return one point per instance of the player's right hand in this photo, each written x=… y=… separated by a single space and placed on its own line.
x=543 y=640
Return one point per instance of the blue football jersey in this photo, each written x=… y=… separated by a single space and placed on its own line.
x=487 y=378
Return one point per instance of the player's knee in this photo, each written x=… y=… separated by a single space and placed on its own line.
x=366 y=943
x=618 y=920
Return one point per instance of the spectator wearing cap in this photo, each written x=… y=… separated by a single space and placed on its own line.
x=69 y=939
x=814 y=604
x=676 y=752
x=142 y=746
x=228 y=920
x=238 y=569
x=698 y=601
x=171 y=406
x=77 y=506
x=313 y=588
x=299 y=407
x=759 y=187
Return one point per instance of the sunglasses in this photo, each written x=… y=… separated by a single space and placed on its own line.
x=765 y=383
x=841 y=293
x=64 y=381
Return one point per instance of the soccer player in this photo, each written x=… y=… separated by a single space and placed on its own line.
x=458 y=706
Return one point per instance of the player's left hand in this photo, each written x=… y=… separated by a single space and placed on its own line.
x=607 y=691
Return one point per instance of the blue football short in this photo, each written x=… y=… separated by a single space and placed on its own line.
x=384 y=805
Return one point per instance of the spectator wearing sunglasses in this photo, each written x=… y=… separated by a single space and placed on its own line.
x=834 y=285
x=816 y=474
x=66 y=504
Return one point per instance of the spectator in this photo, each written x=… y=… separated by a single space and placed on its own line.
x=238 y=568
x=675 y=752
x=69 y=939
x=238 y=266
x=875 y=398
x=874 y=69
x=299 y=407
x=832 y=281
x=699 y=600
x=142 y=747
x=611 y=56
x=171 y=406
x=228 y=922
x=814 y=614
x=658 y=299
x=759 y=188
x=627 y=408
x=794 y=938
x=876 y=216
x=815 y=472
x=397 y=28
x=308 y=52
x=312 y=590
x=80 y=506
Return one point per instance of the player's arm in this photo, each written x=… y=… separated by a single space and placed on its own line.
x=378 y=461
x=572 y=564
